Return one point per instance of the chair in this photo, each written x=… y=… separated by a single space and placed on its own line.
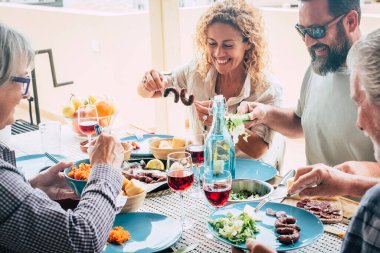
x=22 y=126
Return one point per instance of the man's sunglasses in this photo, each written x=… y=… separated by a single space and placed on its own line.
x=317 y=32
x=25 y=81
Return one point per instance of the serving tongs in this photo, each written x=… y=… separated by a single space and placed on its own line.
x=237 y=119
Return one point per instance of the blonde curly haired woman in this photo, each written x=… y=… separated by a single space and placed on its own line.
x=230 y=61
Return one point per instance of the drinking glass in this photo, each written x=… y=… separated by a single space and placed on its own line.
x=180 y=179
x=195 y=146
x=217 y=187
x=87 y=120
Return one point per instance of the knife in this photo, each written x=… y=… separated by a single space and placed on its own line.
x=186 y=248
x=281 y=189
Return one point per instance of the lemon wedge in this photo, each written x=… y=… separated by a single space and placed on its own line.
x=155 y=164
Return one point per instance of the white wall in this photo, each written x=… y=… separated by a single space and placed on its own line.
x=115 y=69
x=125 y=53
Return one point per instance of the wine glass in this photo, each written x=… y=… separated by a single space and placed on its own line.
x=180 y=178
x=87 y=120
x=195 y=146
x=217 y=186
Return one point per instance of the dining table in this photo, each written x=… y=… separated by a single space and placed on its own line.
x=166 y=202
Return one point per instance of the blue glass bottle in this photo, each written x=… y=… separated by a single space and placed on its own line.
x=219 y=149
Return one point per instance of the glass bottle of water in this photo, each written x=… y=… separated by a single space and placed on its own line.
x=219 y=153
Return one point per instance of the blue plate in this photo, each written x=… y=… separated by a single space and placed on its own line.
x=150 y=232
x=311 y=226
x=144 y=149
x=252 y=169
x=30 y=165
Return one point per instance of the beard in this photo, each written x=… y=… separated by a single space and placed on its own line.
x=336 y=53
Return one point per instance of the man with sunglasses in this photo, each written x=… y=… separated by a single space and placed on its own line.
x=364 y=229
x=325 y=114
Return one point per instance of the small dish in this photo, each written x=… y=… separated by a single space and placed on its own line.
x=134 y=202
x=76 y=185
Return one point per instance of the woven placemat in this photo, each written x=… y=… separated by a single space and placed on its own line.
x=168 y=203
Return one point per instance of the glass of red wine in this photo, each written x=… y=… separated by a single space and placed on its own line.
x=87 y=120
x=217 y=187
x=180 y=179
x=195 y=146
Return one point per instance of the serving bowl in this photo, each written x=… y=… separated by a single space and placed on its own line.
x=263 y=189
x=162 y=153
x=134 y=202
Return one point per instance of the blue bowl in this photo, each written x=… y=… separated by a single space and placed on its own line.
x=76 y=185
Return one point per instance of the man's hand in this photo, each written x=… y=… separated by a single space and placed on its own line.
x=106 y=151
x=204 y=110
x=330 y=181
x=257 y=112
x=53 y=182
x=255 y=247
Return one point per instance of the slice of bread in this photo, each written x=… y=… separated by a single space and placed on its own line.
x=165 y=144
x=178 y=143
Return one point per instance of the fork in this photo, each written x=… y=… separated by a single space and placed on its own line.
x=288 y=195
x=51 y=158
x=139 y=136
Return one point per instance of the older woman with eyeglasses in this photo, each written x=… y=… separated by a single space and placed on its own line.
x=30 y=221
x=230 y=61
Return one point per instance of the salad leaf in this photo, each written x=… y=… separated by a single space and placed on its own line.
x=235 y=126
x=244 y=195
x=236 y=229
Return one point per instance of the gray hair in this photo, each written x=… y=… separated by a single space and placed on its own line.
x=16 y=53
x=364 y=59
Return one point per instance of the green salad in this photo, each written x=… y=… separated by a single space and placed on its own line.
x=236 y=229
x=235 y=126
x=244 y=195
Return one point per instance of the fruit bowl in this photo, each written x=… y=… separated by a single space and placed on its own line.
x=104 y=121
x=104 y=106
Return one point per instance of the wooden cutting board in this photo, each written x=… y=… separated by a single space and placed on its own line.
x=335 y=204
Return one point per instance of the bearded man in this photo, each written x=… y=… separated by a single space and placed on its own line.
x=325 y=114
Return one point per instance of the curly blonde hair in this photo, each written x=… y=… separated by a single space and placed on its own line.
x=248 y=20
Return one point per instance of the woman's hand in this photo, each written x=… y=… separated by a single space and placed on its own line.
x=204 y=109
x=257 y=112
x=53 y=182
x=153 y=81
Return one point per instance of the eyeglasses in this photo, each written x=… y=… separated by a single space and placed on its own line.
x=25 y=81
x=317 y=32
